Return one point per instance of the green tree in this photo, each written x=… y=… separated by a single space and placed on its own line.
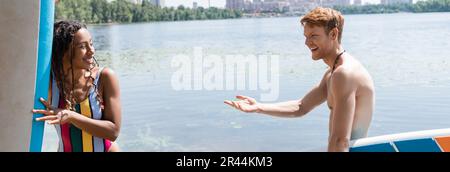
x=123 y=11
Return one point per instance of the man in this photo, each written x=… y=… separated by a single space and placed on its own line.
x=346 y=85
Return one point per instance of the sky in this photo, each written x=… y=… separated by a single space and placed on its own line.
x=202 y=3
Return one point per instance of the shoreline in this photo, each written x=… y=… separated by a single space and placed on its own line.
x=250 y=16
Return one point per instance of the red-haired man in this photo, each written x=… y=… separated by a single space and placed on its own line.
x=346 y=86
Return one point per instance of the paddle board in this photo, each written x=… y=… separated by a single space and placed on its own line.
x=25 y=53
x=419 y=141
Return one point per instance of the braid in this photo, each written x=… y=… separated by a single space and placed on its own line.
x=98 y=97
x=71 y=100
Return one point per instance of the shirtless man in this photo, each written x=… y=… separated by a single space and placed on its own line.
x=346 y=85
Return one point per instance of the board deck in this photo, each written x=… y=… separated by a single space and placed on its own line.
x=419 y=141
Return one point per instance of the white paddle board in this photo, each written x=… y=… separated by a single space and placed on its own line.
x=419 y=141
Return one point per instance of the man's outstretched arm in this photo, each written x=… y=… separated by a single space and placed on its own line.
x=295 y=108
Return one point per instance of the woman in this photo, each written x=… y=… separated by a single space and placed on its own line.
x=84 y=104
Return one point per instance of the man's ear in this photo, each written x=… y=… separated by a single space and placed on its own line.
x=334 y=33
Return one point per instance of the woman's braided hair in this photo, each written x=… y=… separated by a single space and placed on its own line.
x=63 y=37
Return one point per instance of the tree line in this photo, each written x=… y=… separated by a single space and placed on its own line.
x=419 y=7
x=123 y=11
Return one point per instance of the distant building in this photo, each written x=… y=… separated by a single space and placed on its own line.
x=194 y=5
x=357 y=2
x=266 y=6
x=343 y=2
x=331 y=3
x=364 y=2
x=159 y=3
x=302 y=5
x=135 y=1
x=235 y=4
x=415 y=1
x=275 y=6
x=389 y=2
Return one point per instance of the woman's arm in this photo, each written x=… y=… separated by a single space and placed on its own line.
x=109 y=126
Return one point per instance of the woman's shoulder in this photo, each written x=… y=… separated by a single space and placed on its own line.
x=107 y=75
x=106 y=72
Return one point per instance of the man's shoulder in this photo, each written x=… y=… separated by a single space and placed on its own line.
x=348 y=70
x=343 y=72
x=344 y=78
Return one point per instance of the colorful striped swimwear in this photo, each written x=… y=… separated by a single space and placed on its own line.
x=73 y=139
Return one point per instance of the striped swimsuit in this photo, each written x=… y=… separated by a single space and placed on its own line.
x=73 y=139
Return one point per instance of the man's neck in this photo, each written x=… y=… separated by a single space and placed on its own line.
x=330 y=58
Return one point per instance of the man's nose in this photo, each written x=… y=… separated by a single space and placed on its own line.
x=307 y=41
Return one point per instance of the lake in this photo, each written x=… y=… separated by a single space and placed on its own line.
x=408 y=56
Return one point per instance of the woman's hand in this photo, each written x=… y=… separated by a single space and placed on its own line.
x=53 y=115
x=245 y=104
